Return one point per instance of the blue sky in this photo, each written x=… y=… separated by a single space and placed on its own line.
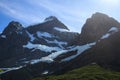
x=72 y=13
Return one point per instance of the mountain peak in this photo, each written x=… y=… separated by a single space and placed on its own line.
x=98 y=14
x=51 y=18
x=96 y=26
x=15 y=23
x=12 y=26
x=48 y=25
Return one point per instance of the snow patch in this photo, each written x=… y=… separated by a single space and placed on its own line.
x=50 y=58
x=45 y=72
x=61 y=29
x=115 y=29
x=55 y=54
x=3 y=36
x=26 y=62
x=41 y=47
x=44 y=34
x=79 y=49
x=105 y=36
x=49 y=19
x=9 y=69
x=32 y=38
x=110 y=32
x=43 y=59
x=60 y=43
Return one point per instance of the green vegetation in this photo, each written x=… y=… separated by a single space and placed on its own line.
x=91 y=72
x=1 y=70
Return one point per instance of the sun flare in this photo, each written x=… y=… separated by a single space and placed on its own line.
x=111 y=3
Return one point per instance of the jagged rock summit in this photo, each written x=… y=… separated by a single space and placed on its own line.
x=12 y=27
x=48 y=25
x=96 y=26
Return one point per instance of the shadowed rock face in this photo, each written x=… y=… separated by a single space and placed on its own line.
x=95 y=27
x=12 y=27
x=106 y=52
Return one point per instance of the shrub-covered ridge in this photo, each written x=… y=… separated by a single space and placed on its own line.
x=91 y=72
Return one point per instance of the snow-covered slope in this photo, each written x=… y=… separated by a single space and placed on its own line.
x=50 y=58
x=110 y=32
x=41 y=47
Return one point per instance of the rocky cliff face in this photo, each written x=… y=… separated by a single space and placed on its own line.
x=12 y=27
x=95 y=27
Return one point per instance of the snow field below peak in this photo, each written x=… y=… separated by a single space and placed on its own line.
x=50 y=58
x=41 y=47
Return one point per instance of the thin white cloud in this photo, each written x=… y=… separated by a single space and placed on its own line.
x=66 y=13
x=17 y=12
x=63 y=11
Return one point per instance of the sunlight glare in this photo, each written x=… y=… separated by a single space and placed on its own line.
x=110 y=3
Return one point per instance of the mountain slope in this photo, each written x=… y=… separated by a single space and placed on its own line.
x=20 y=45
x=48 y=52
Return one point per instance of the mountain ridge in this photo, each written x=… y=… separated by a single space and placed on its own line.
x=95 y=27
x=33 y=42
x=51 y=47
